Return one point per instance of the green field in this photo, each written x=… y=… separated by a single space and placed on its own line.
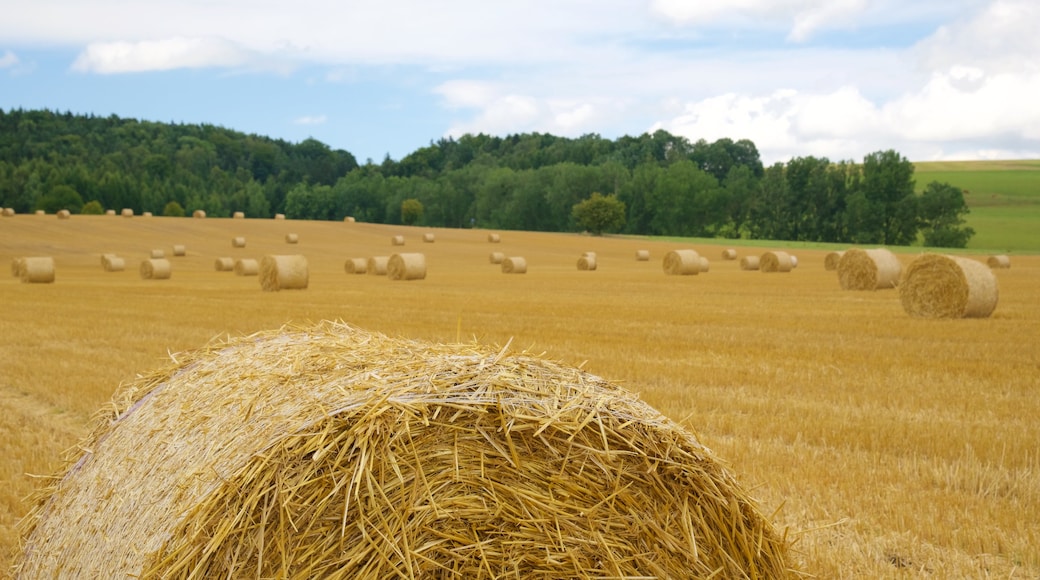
x=1004 y=197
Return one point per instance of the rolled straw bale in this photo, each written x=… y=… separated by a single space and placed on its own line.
x=224 y=264
x=514 y=265
x=830 y=261
x=63 y=214
x=157 y=254
x=112 y=263
x=1000 y=261
x=494 y=238
x=749 y=263
x=941 y=286
x=110 y=212
x=349 y=219
x=704 y=264
x=38 y=270
x=428 y=238
x=328 y=451
x=247 y=267
x=238 y=215
x=199 y=214
x=774 y=262
x=397 y=241
x=410 y=266
x=283 y=273
x=794 y=262
x=376 y=265
x=291 y=238
x=156 y=269
x=682 y=263
x=179 y=250
x=17 y=266
x=279 y=216
x=496 y=257
x=356 y=266
x=7 y=212
x=127 y=212
x=146 y=214
x=729 y=254
x=875 y=269
x=238 y=242
x=587 y=262
x=642 y=255
x=40 y=212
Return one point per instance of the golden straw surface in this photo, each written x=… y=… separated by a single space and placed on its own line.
x=284 y=273
x=682 y=263
x=941 y=286
x=875 y=269
x=776 y=261
x=406 y=266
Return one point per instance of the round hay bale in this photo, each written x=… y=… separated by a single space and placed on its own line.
x=376 y=265
x=283 y=273
x=238 y=215
x=794 y=262
x=127 y=212
x=869 y=269
x=292 y=238
x=110 y=212
x=224 y=264
x=328 y=451
x=238 y=242
x=406 y=267
x=776 y=261
x=830 y=261
x=7 y=212
x=682 y=263
x=37 y=270
x=642 y=255
x=157 y=254
x=999 y=261
x=514 y=265
x=179 y=250
x=729 y=254
x=112 y=263
x=587 y=262
x=356 y=266
x=496 y=257
x=941 y=286
x=397 y=241
x=704 y=264
x=40 y=212
x=428 y=238
x=199 y=214
x=349 y=219
x=63 y=214
x=17 y=266
x=279 y=216
x=146 y=214
x=749 y=263
x=247 y=267
x=156 y=269
x=494 y=238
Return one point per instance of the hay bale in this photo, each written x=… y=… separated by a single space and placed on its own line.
x=7 y=212
x=496 y=257
x=110 y=212
x=428 y=238
x=39 y=212
x=729 y=254
x=776 y=261
x=349 y=219
x=704 y=264
x=587 y=262
x=247 y=267
x=376 y=265
x=157 y=254
x=410 y=266
x=794 y=262
x=146 y=214
x=999 y=261
x=63 y=214
x=199 y=214
x=292 y=238
x=514 y=265
x=356 y=266
x=156 y=269
x=279 y=216
x=238 y=215
x=875 y=269
x=941 y=286
x=224 y=264
x=397 y=241
x=17 y=266
x=37 y=270
x=179 y=250
x=328 y=451
x=238 y=242
x=682 y=263
x=830 y=261
x=749 y=263
x=283 y=273
x=642 y=255
x=112 y=263
x=127 y=212
x=494 y=238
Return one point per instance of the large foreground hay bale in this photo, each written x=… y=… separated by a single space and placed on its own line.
x=283 y=273
x=775 y=261
x=247 y=267
x=514 y=265
x=682 y=263
x=875 y=269
x=1000 y=261
x=729 y=254
x=329 y=452
x=940 y=286
x=749 y=263
x=355 y=266
x=156 y=269
x=642 y=255
x=830 y=261
x=408 y=266
x=224 y=264
x=37 y=270
x=376 y=265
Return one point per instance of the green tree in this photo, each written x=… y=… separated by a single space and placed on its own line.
x=411 y=211
x=941 y=210
x=888 y=186
x=92 y=207
x=61 y=197
x=600 y=213
x=173 y=209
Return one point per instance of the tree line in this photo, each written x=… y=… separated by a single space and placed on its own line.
x=652 y=184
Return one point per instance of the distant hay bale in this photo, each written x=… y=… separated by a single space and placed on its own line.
x=355 y=266
x=292 y=238
x=642 y=255
x=112 y=263
x=40 y=212
x=428 y=238
x=1000 y=261
x=349 y=219
x=494 y=238
x=157 y=254
x=704 y=264
x=37 y=270
x=283 y=273
x=587 y=262
x=830 y=261
x=238 y=215
x=729 y=254
x=514 y=265
x=146 y=214
x=749 y=263
x=17 y=266
x=179 y=250
x=776 y=261
x=110 y=212
x=63 y=214
x=156 y=269
x=496 y=257
x=376 y=265
x=127 y=212
x=941 y=286
x=328 y=451
x=224 y=264
x=875 y=269
x=682 y=263
x=397 y=241
x=411 y=266
x=238 y=242
x=247 y=267
x=279 y=216
x=7 y=212
x=794 y=262
x=198 y=214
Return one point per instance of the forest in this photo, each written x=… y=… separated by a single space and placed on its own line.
x=652 y=184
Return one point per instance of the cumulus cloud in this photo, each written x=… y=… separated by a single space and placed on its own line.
x=801 y=17
x=158 y=55
x=8 y=59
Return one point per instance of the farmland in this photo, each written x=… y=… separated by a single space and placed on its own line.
x=885 y=446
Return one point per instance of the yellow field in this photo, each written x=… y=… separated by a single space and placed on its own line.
x=886 y=446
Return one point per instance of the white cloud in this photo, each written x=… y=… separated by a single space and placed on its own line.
x=311 y=120
x=8 y=59
x=801 y=17
x=165 y=54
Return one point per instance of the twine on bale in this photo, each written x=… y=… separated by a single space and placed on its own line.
x=941 y=286
x=283 y=273
x=224 y=264
x=292 y=238
x=327 y=451
x=247 y=267
x=411 y=266
x=642 y=255
x=831 y=260
x=729 y=254
x=514 y=265
x=776 y=261
x=37 y=270
x=496 y=257
x=682 y=263
x=587 y=261
x=238 y=242
x=156 y=269
x=355 y=266
x=376 y=265
x=875 y=269
x=1000 y=261
x=749 y=263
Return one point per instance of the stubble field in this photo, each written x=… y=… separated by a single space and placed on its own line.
x=886 y=446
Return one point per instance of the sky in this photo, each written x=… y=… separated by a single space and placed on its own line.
x=931 y=79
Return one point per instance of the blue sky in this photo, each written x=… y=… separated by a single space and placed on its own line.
x=932 y=79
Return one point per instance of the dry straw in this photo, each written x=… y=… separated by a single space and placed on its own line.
x=428 y=238
x=146 y=214
x=330 y=452
x=1000 y=261
x=682 y=263
x=279 y=216
x=110 y=212
x=17 y=266
x=63 y=214
x=411 y=266
x=831 y=260
x=940 y=286
x=355 y=266
x=397 y=241
x=37 y=270
x=775 y=262
x=283 y=273
x=112 y=263
x=224 y=264
x=238 y=215
x=514 y=265
x=376 y=265
x=8 y=212
x=496 y=257
x=238 y=242
x=156 y=269
x=349 y=219
x=292 y=238
x=157 y=254
x=127 y=212
x=749 y=263
x=247 y=267
x=40 y=212
x=704 y=263
x=642 y=255
x=494 y=238
x=179 y=250
x=199 y=214
x=587 y=261
x=875 y=269
x=729 y=254
x=794 y=261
